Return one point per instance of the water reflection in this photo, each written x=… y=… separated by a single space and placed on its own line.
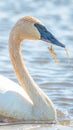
x=35 y=127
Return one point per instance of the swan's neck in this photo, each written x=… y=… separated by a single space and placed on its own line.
x=20 y=69
x=39 y=99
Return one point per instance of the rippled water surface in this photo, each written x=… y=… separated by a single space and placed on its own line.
x=56 y=80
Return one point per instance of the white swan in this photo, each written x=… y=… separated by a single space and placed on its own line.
x=25 y=102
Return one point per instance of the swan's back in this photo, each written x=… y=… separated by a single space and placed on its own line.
x=8 y=85
x=13 y=99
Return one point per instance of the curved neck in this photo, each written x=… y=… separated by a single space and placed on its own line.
x=20 y=69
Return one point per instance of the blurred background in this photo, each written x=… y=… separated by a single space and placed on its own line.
x=56 y=80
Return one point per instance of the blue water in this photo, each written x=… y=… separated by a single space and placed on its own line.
x=56 y=80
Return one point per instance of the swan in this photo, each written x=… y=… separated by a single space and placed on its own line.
x=26 y=101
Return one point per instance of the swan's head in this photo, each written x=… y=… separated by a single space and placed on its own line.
x=33 y=29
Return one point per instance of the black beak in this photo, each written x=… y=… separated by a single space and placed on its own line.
x=47 y=36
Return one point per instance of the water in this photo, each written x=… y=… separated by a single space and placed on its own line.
x=56 y=80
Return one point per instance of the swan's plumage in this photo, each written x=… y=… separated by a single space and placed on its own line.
x=13 y=99
x=25 y=102
x=15 y=102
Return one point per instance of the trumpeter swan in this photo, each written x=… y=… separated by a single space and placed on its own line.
x=25 y=102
